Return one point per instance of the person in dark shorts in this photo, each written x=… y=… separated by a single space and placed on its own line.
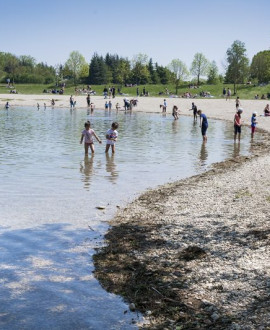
x=88 y=100
x=195 y=111
x=237 y=124
x=203 y=124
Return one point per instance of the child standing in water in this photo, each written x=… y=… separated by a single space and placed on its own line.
x=175 y=112
x=253 y=123
x=87 y=135
x=111 y=137
x=237 y=124
x=203 y=124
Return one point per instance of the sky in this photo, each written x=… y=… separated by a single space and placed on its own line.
x=164 y=30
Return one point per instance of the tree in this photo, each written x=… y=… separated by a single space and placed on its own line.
x=11 y=65
x=260 y=66
x=180 y=72
x=164 y=74
x=153 y=73
x=140 y=73
x=75 y=64
x=122 y=71
x=213 y=77
x=199 y=66
x=238 y=64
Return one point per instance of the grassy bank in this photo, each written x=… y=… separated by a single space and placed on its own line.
x=243 y=91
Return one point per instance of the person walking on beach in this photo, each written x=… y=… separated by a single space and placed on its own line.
x=253 y=123
x=237 y=124
x=88 y=100
x=195 y=111
x=113 y=92
x=71 y=101
x=111 y=137
x=229 y=93
x=237 y=103
x=92 y=107
x=164 y=106
x=203 y=124
x=87 y=135
x=224 y=92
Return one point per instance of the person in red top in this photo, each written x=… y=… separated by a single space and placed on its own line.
x=237 y=124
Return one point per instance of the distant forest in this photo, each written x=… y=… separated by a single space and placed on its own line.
x=114 y=69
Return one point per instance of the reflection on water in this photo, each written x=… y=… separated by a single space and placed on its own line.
x=86 y=168
x=236 y=149
x=203 y=154
x=46 y=182
x=111 y=168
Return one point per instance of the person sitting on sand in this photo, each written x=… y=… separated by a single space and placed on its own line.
x=266 y=110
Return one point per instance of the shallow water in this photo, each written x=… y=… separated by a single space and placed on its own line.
x=49 y=224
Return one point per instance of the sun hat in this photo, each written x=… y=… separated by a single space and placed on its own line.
x=240 y=110
x=254 y=113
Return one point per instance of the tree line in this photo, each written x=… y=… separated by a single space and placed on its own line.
x=114 y=69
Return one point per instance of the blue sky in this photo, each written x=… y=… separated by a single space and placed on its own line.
x=164 y=30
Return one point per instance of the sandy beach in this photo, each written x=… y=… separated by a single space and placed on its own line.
x=214 y=108
x=193 y=254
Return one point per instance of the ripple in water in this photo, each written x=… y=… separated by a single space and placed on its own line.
x=48 y=197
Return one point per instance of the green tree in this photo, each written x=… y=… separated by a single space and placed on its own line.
x=180 y=72
x=238 y=64
x=260 y=66
x=11 y=65
x=199 y=66
x=164 y=74
x=75 y=63
x=213 y=77
x=154 y=79
x=140 y=73
x=122 y=72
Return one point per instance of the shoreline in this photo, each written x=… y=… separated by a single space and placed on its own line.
x=193 y=253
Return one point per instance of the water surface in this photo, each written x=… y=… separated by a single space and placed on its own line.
x=49 y=224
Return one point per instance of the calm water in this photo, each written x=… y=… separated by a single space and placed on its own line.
x=49 y=224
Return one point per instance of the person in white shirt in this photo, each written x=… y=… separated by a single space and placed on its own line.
x=111 y=137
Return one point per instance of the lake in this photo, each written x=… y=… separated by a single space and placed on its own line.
x=49 y=194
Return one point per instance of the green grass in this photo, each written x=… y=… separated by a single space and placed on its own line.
x=243 y=91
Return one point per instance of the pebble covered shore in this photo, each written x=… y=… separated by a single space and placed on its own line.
x=195 y=254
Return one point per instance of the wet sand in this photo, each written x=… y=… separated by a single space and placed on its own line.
x=194 y=253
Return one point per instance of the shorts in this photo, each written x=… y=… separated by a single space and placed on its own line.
x=253 y=129
x=237 y=129
x=204 y=129
x=88 y=143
